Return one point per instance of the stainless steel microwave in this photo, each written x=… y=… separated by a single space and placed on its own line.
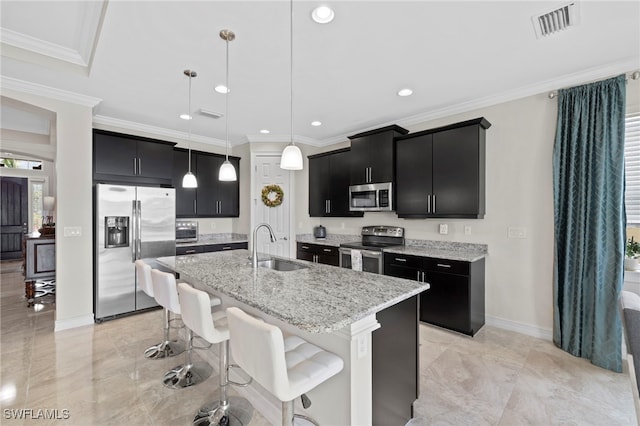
x=372 y=197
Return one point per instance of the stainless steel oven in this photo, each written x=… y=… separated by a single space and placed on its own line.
x=370 y=247
x=371 y=259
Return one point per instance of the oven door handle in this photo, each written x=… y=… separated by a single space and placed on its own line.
x=365 y=253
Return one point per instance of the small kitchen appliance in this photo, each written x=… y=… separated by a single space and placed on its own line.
x=320 y=231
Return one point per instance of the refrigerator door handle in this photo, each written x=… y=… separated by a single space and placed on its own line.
x=139 y=230
x=133 y=231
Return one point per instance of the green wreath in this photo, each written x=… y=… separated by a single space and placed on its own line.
x=267 y=197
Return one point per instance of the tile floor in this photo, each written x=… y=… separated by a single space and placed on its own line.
x=99 y=375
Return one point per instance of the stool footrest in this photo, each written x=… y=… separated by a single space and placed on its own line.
x=242 y=385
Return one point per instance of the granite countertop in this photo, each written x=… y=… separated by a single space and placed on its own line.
x=333 y=240
x=466 y=252
x=317 y=299
x=204 y=239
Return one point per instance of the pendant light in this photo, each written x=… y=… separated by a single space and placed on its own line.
x=291 y=155
x=227 y=172
x=189 y=180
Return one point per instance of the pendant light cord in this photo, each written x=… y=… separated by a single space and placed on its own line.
x=291 y=70
x=190 y=118
x=226 y=126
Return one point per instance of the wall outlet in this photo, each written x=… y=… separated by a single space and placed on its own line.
x=517 y=232
x=467 y=230
x=444 y=228
x=213 y=225
x=72 y=231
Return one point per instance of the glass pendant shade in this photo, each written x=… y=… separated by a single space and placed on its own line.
x=227 y=172
x=189 y=181
x=291 y=158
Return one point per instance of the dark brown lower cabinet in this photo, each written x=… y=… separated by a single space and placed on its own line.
x=456 y=298
x=318 y=253
x=206 y=248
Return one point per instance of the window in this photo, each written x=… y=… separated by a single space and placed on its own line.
x=632 y=174
x=16 y=163
x=36 y=198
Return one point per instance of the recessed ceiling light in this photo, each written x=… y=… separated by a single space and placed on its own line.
x=221 y=89
x=264 y=131
x=405 y=92
x=316 y=123
x=186 y=116
x=323 y=14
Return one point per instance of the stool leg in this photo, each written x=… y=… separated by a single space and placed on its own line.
x=167 y=348
x=287 y=413
x=187 y=374
x=223 y=412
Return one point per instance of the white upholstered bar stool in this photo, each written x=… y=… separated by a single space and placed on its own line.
x=165 y=291
x=287 y=367
x=212 y=327
x=166 y=348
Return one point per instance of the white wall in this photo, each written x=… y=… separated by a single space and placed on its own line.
x=74 y=255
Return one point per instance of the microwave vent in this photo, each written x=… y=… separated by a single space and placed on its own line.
x=556 y=20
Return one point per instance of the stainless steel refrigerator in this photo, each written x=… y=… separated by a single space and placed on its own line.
x=132 y=222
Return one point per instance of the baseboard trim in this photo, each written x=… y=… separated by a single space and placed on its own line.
x=528 y=329
x=76 y=322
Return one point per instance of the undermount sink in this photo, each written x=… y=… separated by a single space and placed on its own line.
x=280 y=265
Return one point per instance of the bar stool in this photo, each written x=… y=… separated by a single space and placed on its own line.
x=165 y=291
x=287 y=367
x=166 y=348
x=212 y=327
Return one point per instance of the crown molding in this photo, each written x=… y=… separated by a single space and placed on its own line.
x=284 y=139
x=111 y=123
x=42 y=47
x=10 y=83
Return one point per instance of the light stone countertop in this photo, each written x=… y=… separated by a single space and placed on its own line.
x=204 y=239
x=333 y=240
x=466 y=252
x=317 y=299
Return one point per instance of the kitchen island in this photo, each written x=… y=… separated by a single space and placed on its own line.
x=334 y=308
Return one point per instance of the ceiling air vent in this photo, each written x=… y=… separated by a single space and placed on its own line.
x=210 y=113
x=556 y=20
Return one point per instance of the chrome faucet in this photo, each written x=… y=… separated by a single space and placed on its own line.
x=254 y=254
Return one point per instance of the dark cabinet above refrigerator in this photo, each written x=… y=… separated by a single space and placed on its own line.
x=121 y=158
x=373 y=154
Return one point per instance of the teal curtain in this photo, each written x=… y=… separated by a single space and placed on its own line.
x=588 y=180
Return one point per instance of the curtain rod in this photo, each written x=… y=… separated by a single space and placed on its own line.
x=633 y=76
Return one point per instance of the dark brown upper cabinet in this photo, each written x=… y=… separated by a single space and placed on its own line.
x=373 y=155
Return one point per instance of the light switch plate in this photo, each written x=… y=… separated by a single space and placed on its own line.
x=444 y=228
x=517 y=232
x=72 y=231
x=467 y=230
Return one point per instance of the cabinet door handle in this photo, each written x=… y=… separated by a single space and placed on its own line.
x=329 y=204
x=135 y=166
x=226 y=248
x=443 y=265
x=434 y=203
x=399 y=259
x=423 y=278
x=429 y=203
x=189 y=251
x=418 y=276
x=195 y=206
x=305 y=247
x=327 y=250
x=139 y=165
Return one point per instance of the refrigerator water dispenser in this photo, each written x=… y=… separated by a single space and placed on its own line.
x=116 y=230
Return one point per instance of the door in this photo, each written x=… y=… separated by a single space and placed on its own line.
x=227 y=193
x=156 y=228
x=115 y=274
x=267 y=171
x=14 y=216
x=207 y=184
x=319 y=186
x=414 y=175
x=185 y=197
x=456 y=171
x=114 y=155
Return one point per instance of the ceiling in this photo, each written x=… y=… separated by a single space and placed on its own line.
x=454 y=55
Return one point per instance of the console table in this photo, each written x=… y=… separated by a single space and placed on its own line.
x=39 y=256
